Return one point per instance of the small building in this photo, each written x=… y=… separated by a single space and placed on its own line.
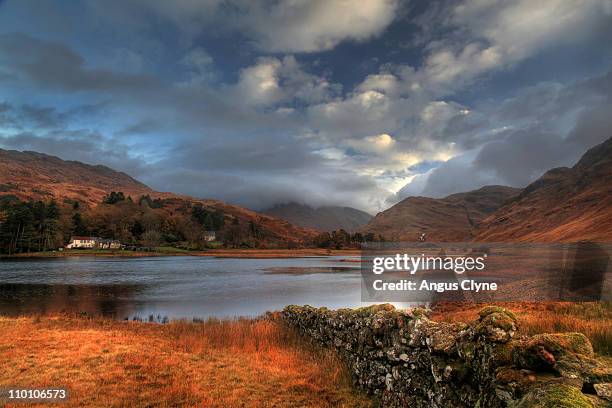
x=210 y=236
x=82 y=242
x=109 y=244
x=93 y=242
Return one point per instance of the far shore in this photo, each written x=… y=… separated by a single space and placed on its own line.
x=168 y=251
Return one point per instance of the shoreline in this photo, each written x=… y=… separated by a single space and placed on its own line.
x=217 y=253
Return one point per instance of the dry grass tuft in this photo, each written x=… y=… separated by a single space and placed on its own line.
x=594 y=319
x=217 y=363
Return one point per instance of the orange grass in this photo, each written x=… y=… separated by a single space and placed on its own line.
x=594 y=319
x=237 y=363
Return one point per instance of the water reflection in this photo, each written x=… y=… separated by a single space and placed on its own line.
x=108 y=300
x=177 y=287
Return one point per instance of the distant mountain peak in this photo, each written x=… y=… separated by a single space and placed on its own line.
x=452 y=218
x=323 y=218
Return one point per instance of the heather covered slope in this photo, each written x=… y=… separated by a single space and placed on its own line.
x=37 y=176
x=32 y=175
x=328 y=218
x=564 y=205
x=448 y=219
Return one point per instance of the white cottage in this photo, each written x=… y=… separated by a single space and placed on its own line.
x=93 y=242
x=83 y=242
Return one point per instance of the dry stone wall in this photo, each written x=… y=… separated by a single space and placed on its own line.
x=404 y=359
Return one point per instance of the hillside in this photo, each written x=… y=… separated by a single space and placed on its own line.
x=448 y=219
x=37 y=176
x=322 y=218
x=565 y=204
x=32 y=175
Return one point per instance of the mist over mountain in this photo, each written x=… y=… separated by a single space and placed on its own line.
x=563 y=205
x=327 y=218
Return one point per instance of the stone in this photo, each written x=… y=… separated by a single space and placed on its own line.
x=604 y=390
x=404 y=359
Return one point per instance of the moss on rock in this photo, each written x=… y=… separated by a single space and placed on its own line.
x=562 y=342
x=555 y=396
x=497 y=309
x=497 y=324
x=568 y=354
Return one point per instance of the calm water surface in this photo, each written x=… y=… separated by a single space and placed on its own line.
x=176 y=287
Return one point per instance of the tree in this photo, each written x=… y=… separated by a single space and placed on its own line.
x=218 y=220
x=151 y=238
x=28 y=226
x=78 y=226
x=114 y=198
x=51 y=231
x=341 y=239
x=323 y=240
x=234 y=234
x=213 y=221
x=145 y=200
x=137 y=229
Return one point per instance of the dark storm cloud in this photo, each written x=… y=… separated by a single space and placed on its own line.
x=28 y=116
x=262 y=154
x=50 y=64
x=85 y=146
x=261 y=190
x=523 y=156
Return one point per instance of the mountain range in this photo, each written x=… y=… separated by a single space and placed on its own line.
x=328 y=218
x=564 y=204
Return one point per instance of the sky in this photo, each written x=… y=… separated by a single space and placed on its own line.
x=322 y=102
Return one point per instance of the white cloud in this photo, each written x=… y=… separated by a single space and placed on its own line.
x=358 y=115
x=498 y=34
x=373 y=144
x=520 y=28
x=384 y=82
x=315 y=25
x=271 y=81
x=282 y=25
x=259 y=83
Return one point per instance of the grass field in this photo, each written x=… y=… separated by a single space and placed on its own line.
x=105 y=363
